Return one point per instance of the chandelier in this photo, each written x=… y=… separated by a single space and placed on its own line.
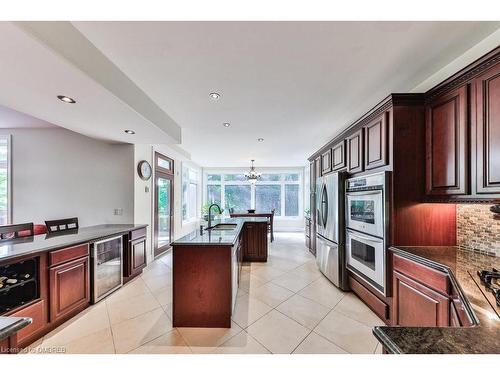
x=251 y=175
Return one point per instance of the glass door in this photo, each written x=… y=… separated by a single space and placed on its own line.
x=164 y=204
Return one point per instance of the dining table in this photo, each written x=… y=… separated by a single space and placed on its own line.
x=268 y=215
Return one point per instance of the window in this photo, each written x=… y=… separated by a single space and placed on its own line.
x=237 y=197
x=274 y=191
x=4 y=179
x=189 y=193
x=268 y=198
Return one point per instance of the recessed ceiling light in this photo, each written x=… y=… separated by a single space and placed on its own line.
x=66 y=99
x=129 y=131
x=214 y=95
x=260 y=139
x=226 y=124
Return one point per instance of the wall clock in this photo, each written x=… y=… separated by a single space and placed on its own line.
x=144 y=170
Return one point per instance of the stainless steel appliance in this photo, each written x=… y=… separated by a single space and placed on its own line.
x=107 y=267
x=366 y=216
x=330 y=237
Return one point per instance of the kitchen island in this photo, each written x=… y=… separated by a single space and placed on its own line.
x=207 y=269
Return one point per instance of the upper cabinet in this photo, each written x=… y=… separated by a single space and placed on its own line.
x=339 y=156
x=326 y=161
x=355 y=152
x=376 y=142
x=486 y=131
x=446 y=143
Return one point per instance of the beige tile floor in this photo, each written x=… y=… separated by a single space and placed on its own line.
x=284 y=306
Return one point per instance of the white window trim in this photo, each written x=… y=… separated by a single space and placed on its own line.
x=222 y=183
x=197 y=183
x=8 y=137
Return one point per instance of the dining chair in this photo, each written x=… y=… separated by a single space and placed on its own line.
x=61 y=225
x=270 y=225
x=8 y=232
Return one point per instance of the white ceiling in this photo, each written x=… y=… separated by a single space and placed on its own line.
x=295 y=84
x=10 y=118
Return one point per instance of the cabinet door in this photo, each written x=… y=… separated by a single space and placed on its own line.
x=416 y=305
x=338 y=156
x=137 y=255
x=376 y=142
x=487 y=124
x=355 y=152
x=326 y=161
x=251 y=245
x=69 y=288
x=446 y=144
x=317 y=164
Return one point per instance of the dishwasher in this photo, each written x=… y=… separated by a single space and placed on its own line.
x=107 y=267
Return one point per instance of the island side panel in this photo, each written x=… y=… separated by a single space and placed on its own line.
x=201 y=286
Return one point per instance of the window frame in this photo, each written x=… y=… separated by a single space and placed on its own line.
x=282 y=182
x=8 y=138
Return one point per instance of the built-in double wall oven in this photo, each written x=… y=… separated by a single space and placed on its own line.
x=366 y=222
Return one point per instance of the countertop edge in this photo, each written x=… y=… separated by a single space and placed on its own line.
x=388 y=344
x=70 y=243
x=15 y=326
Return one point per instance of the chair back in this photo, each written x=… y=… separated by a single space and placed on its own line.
x=8 y=232
x=61 y=225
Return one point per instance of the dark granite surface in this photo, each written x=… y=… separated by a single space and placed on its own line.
x=10 y=325
x=218 y=237
x=46 y=242
x=462 y=267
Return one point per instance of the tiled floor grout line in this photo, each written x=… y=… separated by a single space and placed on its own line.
x=110 y=326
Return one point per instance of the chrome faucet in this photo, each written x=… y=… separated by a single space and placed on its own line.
x=210 y=214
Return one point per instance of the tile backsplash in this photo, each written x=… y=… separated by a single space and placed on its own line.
x=478 y=228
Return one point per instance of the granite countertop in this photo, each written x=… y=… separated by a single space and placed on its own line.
x=9 y=325
x=218 y=237
x=45 y=242
x=462 y=266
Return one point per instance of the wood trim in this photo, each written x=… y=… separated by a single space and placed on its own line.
x=158 y=168
x=464 y=75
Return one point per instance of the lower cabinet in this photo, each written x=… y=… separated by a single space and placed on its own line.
x=134 y=259
x=69 y=288
x=416 y=305
x=37 y=312
x=255 y=242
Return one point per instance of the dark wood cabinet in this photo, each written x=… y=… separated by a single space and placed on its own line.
x=308 y=232
x=376 y=142
x=355 y=152
x=339 y=156
x=134 y=254
x=317 y=166
x=326 y=161
x=69 y=288
x=38 y=313
x=447 y=144
x=486 y=124
x=416 y=305
x=255 y=242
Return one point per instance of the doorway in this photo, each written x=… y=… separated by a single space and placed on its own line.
x=163 y=203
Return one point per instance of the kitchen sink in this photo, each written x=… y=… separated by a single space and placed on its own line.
x=223 y=227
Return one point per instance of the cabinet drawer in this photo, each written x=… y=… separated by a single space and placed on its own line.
x=35 y=311
x=138 y=233
x=436 y=280
x=70 y=253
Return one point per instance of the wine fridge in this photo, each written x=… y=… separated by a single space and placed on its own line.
x=107 y=267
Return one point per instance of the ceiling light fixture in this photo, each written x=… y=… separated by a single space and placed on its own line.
x=260 y=139
x=129 y=131
x=252 y=175
x=226 y=124
x=214 y=96
x=66 y=99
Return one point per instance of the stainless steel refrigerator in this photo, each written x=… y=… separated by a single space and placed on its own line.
x=330 y=228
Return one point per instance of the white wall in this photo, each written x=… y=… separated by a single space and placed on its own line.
x=143 y=204
x=57 y=173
